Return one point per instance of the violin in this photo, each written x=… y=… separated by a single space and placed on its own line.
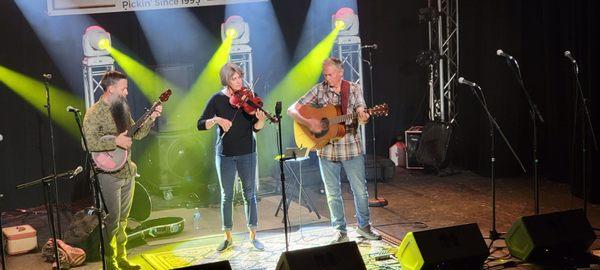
x=246 y=100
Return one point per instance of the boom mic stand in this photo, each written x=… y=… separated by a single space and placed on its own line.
x=47 y=78
x=375 y=202
x=494 y=235
x=535 y=116
x=585 y=122
x=98 y=197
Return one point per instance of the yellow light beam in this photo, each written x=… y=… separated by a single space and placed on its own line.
x=32 y=90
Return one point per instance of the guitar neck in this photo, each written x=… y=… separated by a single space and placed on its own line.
x=343 y=118
x=138 y=124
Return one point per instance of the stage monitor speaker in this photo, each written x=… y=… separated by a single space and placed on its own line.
x=545 y=236
x=457 y=247
x=433 y=147
x=222 y=265
x=332 y=257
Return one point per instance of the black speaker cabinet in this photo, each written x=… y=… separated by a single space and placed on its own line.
x=222 y=265
x=332 y=257
x=457 y=247
x=544 y=236
x=433 y=146
x=412 y=138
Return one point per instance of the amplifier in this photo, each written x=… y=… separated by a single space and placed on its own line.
x=412 y=138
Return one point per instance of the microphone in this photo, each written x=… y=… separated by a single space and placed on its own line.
x=75 y=172
x=369 y=46
x=48 y=76
x=499 y=52
x=278 y=108
x=570 y=56
x=469 y=83
x=72 y=109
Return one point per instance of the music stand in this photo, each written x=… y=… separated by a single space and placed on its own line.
x=297 y=155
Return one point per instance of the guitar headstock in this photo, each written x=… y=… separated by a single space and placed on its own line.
x=165 y=95
x=379 y=110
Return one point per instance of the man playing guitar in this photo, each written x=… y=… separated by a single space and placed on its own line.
x=345 y=152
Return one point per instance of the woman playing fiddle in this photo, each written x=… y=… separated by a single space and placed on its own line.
x=235 y=149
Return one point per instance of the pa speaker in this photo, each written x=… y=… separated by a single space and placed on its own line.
x=332 y=257
x=457 y=247
x=543 y=236
x=222 y=265
x=433 y=147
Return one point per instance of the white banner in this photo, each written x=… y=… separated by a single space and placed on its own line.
x=70 y=7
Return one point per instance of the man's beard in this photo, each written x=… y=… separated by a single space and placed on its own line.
x=119 y=108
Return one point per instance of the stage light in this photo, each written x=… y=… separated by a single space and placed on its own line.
x=346 y=21
x=237 y=29
x=96 y=41
x=231 y=32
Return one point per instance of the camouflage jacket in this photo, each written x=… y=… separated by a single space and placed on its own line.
x=98 y=122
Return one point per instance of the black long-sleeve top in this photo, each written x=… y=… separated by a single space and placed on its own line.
x=239 y=140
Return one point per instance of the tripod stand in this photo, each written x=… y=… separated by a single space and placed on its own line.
x=493 y=125
x=46 y=182
x=297 y=186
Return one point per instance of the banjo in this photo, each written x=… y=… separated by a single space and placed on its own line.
x=114 y=160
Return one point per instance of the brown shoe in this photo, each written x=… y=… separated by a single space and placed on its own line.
x=127 y=265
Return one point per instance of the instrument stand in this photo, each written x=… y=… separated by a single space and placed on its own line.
x=586 y=121
x=535 y=116
x=494 y=235
x=377 y=201
x=100 y=210
x=282 y=175
x=298 y=182
x=47 y=78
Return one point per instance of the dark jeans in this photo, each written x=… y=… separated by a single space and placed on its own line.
x=245 y=167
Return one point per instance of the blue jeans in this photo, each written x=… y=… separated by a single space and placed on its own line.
x=245 y=166
x=355 y=170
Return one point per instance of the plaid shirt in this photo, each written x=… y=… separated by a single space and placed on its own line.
x=348 y=146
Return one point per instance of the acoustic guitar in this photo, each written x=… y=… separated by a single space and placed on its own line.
x=114 y=160
x=332 y=124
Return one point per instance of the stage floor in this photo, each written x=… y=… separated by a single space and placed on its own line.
x=417 y=201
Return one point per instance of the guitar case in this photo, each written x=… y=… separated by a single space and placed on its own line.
x=141 y=208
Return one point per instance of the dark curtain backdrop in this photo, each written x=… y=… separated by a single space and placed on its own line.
x=535 y=32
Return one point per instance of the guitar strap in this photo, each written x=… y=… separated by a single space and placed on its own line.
x=345 y=91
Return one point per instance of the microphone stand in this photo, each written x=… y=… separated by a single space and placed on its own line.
x=493 y=125
x=282 y=177
x=585 y=119
x=47 y=185
x=375 y=202
x=98 y=197
x=535 y=116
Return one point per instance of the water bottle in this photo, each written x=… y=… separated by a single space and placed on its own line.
x=196 y=218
